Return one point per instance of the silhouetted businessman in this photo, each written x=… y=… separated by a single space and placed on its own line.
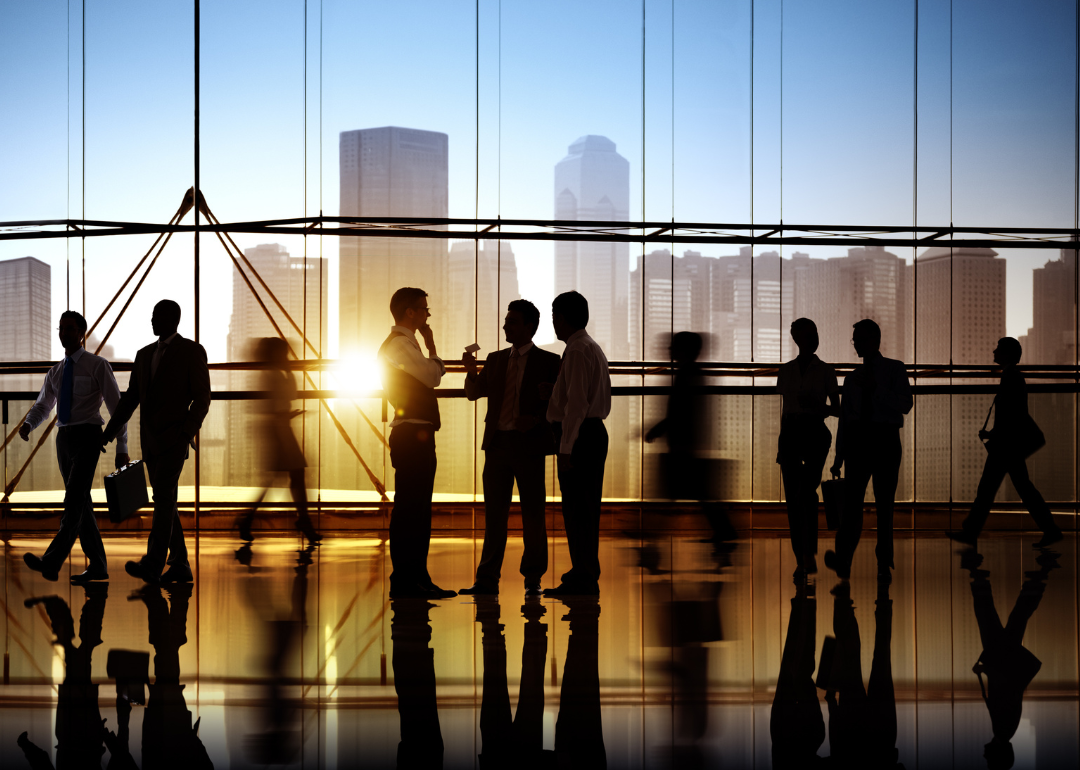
x=77 y=386
x=579 y=732
x=796 y=725
x=686 y=471
x=421 y=744
x=79 y=735
x=579 y=403
x=517 y=438
x=810 y=393
x=171 y=382
x=1007 y=666
x=876 y=397
x=409 y=379
x=862 y=720
x=512 y=740
x=1008 y=444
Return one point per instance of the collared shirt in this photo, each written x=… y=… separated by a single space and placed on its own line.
x=582 y=390
x=890 y=389
x=93 y=383
x=519 y=358
x=159 y=353
x=807 y=392
x=404 y=353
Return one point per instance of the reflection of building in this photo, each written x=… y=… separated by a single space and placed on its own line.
x=1052 y=340
x=476 y=269
x=390 y=172
x=296 y=283
x=593 y=183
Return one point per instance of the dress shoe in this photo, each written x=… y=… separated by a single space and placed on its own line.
x=88 y=576
x=1048 y=539
x=138 y=569
x=478 y=590
x=573 y=589
x=244 y=525
x=177 y=573
x=414 y=591
x=533 y=591
x=37 y=565
x=832 y=561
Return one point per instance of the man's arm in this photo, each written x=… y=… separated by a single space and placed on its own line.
x=576 y=376
x=476 y=383
x=125 y=407
x=898 y=395
x=106 y=382
x=199 y=382
x=410 y=360
x=46 y=400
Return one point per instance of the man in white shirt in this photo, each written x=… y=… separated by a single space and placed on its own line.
x=76 y=386
x=409 y=379
x=579 y=403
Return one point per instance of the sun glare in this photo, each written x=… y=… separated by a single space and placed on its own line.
x=358 y=372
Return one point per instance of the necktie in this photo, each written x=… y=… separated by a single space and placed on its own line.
x=506 y=413
x=155 y=361
x=67 y=386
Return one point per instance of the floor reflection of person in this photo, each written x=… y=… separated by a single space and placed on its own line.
x=421 y=744
x=518 y=740
x=1008 y=445
x=281 y=450
x=810 y=393
x=796 y=724
x=78 y=719
x=862 y=720
x=1005 y=668
x=579 y=733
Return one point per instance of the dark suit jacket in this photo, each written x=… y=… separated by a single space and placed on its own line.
x=540 y=366
x=174 y=403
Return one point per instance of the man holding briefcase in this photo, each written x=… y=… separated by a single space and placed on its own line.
x=76 y=386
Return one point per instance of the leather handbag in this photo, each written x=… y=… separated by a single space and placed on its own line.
x=125 y=489
x=1028 y=440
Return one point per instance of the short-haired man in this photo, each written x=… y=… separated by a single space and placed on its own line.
x=876 y=397
x=76 y=386
x=409 y=379
x=171 y=383
x=580 y=402
x=517 y=437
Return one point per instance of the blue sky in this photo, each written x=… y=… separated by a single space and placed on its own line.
x=826 y=135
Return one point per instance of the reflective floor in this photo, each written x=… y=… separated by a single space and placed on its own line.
x=297 y=658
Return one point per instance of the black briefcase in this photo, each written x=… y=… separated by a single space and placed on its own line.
x=125 y=489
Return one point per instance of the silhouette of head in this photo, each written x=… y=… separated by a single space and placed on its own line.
x=866 y=336
x=521 y=322
x=1008 y=351
x=569 y=313
x=805 y=333
x=409 y=307
x=685 y=347
x=72 y=329
x=166 y=318
x=273 y=350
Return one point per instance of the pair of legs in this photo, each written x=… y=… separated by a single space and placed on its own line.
x=412 y=453
x=802 y=450
x=579 y=731
x=509 y=459
x=872 y=452
x=999 y=463
x=298 y=488
x=413 y=663
x=166 y=542
x=582 y=488
x=78 y=448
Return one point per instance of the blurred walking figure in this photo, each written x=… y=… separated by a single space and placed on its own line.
x=685 y=469
x=282 y=453
x=77 y=386
x=1013 y=438
x=170 y=384
x=517 y=438
x=810 y=393
x=1005 y=667
x=876 y=397
x=579 y=403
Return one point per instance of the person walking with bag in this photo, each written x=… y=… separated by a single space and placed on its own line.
x=1013 y=439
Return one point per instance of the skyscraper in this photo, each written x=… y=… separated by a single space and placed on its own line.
x=390 y=172
x=304 y=297
x=25 y=310
x=593 y=183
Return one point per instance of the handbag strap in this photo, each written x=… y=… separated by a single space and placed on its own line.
x=989 y=412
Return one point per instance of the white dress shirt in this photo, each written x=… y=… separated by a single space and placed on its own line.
x=404 y=353
x=93 y=383
x=582 y=390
